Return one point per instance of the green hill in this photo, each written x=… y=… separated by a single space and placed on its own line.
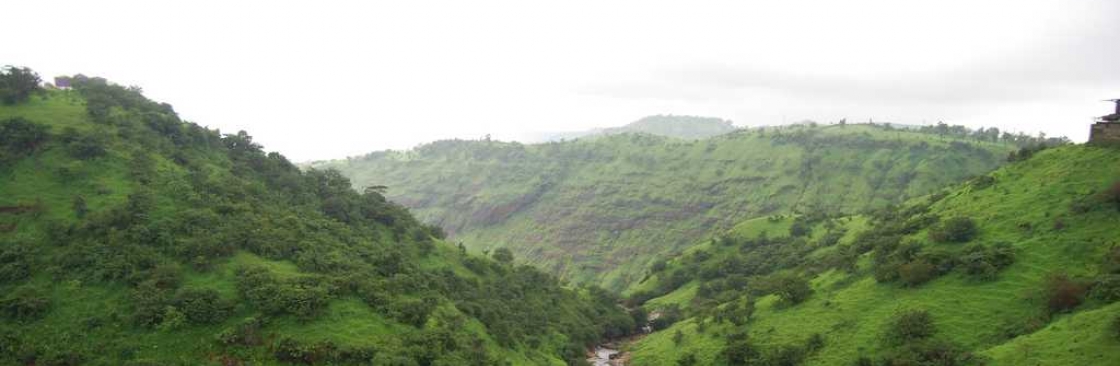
x=682 y=127
x=130 y=237
x=600 y=210
x=1018 y=267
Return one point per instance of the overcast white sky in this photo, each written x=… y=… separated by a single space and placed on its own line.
x=327 y=79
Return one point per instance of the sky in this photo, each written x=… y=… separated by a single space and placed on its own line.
x=329 y=79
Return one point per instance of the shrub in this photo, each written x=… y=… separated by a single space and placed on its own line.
x=1116 y=327
x=983 y=263
x=740 y=351
x=25 y=304
x=916 y=273
x=1112 y=261
x=814 y=343
x=303 y=297
x=202 y=306
x=953 y=230
x=1106 y=288
x=1063 y=294
x=414 y=312
x=911 y=326
x=787 y=355
x=17 y=84
x=248 y=333
x=669 y=315
x=792 y=288
x=19 y=137
x=927 y=353
x=1112 y=195
x=689 y=359
x=15 y=261
x=503 y=255
x=800 y=227
x=86 y=146
x=1017 y=327
x=981 y=182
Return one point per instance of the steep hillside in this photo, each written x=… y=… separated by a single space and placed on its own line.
x=600 y=210
x=1018 y=267
x=130 y=237
x=682 y=127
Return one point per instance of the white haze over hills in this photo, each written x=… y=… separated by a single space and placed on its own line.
x=321 y=81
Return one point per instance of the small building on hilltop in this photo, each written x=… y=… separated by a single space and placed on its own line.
x=1107 y=128
x=62 y=82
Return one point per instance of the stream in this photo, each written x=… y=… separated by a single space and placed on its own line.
x=602 y=356
x=608 y=354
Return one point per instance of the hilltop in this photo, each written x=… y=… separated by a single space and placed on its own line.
x=1016 y=267
x=600 y=210
x=131 y=237
x=682 y=127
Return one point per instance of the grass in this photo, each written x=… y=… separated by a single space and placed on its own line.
x=1020 y=208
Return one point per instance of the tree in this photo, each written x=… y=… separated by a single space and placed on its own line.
x=955 y=230
x=17 y=84
x=24 y=304
x=1063 y=294
x=503 y=255
x=202 y=306
x=19 y=137
x=792 y=288
x=911 y=326
x=916 y=273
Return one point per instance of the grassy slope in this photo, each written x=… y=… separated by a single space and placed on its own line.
x=92 y=318
x=599 y=210
x=853 y=311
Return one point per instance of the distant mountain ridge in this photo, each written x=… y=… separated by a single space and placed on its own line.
x=682 y=127
x=600 y=209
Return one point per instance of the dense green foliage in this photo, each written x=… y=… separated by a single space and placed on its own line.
x=17 y=84
x=128 y=236
x=601 y=210
x=1016 y=267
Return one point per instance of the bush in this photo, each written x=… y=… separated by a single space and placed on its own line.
x=1116 y=327
x=1112 y=195
x=202 y=306
x=20 y=137
x=15 y=261
x=669 y=315
x=927 y=353
x=303 y=297
x=983 y=263
x=248 y=333
x=916 y=273
x=740 y=351
x=414 y=312
x=787 y=355
x=1063 y=294
x=25 y=304
x=911 y=326
x=792 y=288
x=1106 y=288
x=84 y=146
x=689 y=359
x=815 y=342
x=953 y=230
x=17 y=84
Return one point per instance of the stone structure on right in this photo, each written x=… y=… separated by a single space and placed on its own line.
x=1107 y=128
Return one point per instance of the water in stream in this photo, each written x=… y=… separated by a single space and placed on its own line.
x=602 y=356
